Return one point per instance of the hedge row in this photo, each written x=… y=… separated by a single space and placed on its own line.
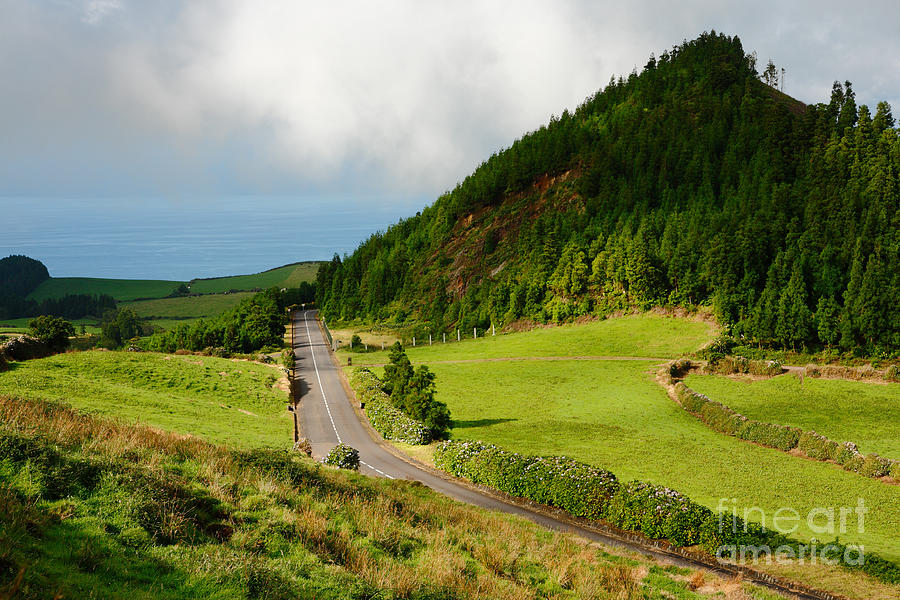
x=741 y=364
x=590 y=492
x=387 y=420
x=725 y=420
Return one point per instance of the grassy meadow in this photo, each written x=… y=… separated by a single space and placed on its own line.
x=206 y=305
x=94 y=508
x=224 y=401
x=286 y=276
x=123 y=290
x=613 y=414
x=644 y=336
x=867 y=414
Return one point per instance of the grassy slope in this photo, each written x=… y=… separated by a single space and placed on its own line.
x=286 y=276
x=865 y=413
x=192 y=307
x=613 y=414
x=122 y=290
x=186 y=394
x=639 y=335
x=92 y=509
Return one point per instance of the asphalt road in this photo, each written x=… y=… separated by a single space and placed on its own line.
x=328 y=418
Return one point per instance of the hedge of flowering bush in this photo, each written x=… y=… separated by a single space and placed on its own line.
x=343 y=457
x=577 y=488
x=387 y=420
x=725 y=420
x=591 y=492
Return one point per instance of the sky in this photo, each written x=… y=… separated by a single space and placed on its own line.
x=115 y=98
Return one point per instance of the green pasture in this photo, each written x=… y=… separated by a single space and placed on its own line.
x=192 y=307
x=867 y=414
x=613 y=414
x=122 y=290
x=18 y=326
x=224 y=401
x=646 y=335
x=282 y=277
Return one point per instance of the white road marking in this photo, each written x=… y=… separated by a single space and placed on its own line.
x=312 y=351
x=379 y=471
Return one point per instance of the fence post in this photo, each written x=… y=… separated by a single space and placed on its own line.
x=475 y=333
x=414 y=341
x=382 y=344
x=457 y=335
x=445 y=337
x=493 y=331
x=429 y=339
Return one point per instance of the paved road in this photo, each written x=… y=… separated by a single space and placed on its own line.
x=327 y=418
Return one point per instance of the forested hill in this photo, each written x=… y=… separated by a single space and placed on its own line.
x=690 y=183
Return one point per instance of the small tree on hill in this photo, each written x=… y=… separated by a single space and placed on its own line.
x=53 y=331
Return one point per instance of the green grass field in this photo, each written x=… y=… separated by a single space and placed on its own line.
x=221 y=400
x=94 y=510
x=17 y=326
x=613 y=414
x=867 y=414
x=122 y=290
x=126 y=290
x=190 y=307
x=647 y=335
x=286 y=276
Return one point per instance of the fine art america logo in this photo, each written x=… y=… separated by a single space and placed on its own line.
x=829 y=522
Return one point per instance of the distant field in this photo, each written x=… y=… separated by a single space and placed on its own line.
x=126 y=290
x=286 y=276
x=15 y=326
x=613 y=414
x=639 y=335
x=193 y=307
x=122 y=290
x=221 y=400
x=867 y=414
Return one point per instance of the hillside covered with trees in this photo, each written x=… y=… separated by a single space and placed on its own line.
x=691 y=183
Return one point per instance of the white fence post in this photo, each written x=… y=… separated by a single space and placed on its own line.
x=493 y=331
x=457 y=335
x=445 y=337
x=475 y=333
x=429 y=339
x=414 y=341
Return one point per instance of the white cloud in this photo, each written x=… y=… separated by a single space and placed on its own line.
x=95 y=11
x=398 y=95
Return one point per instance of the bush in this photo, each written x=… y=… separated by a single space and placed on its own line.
x=875 y=466
x=816 y=446
x=385 y=418
x=343 y=457
x=53 y=331
x=590 y=492
x=288 y=359
x=770 y=434
x=895 y=470
x=580 y=489
x=892 y=373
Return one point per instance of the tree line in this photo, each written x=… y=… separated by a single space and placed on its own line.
x=691 y=183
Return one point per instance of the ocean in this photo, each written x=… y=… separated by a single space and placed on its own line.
x=181 y=239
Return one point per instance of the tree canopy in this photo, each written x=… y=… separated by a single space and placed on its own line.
x=691 y=183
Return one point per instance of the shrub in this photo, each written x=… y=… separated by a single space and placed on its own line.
x=287 y=358
x=816 y=446
x=577 y=488
x=680 y=368
x=875 y=466
x=813 y=371
x=343 y=456
x=895 y=470
x=844 y=453
x=892 y=373
x=769 y=434
x=387 y=420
